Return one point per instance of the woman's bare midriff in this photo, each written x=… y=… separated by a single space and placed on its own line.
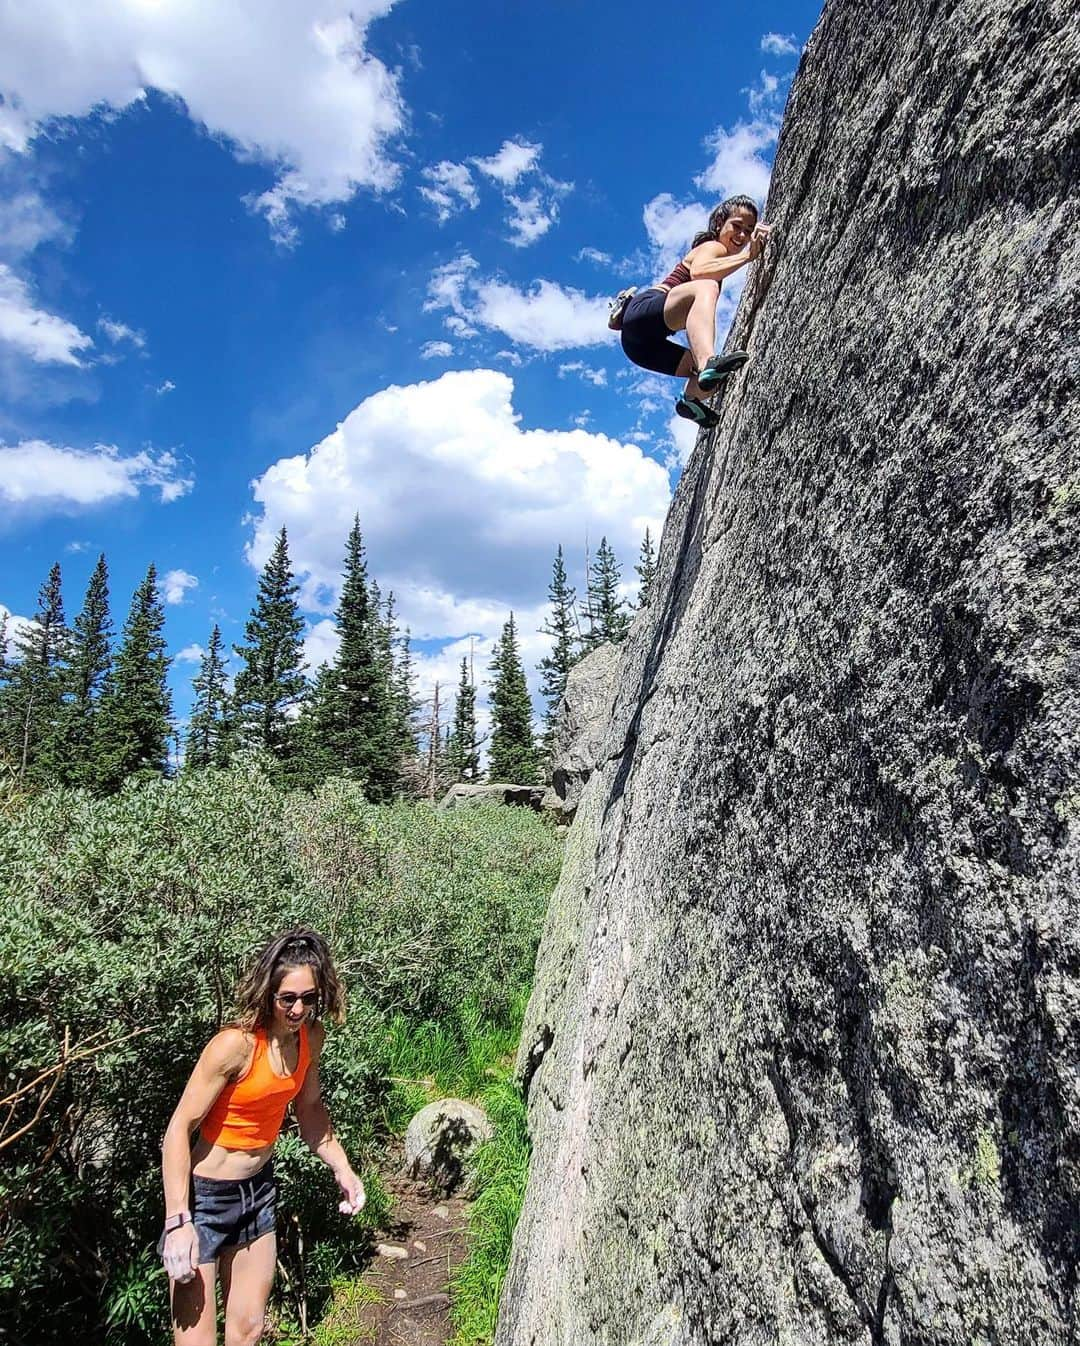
x=215 y=1161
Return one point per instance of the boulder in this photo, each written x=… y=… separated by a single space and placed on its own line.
x=440 y=1138
x=803 y=1052
x=581 y=724
x=464 y=796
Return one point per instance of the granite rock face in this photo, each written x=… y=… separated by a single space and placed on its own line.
x=803 y=1057
x=582 y=723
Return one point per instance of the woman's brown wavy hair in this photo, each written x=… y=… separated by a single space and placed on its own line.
x=295 y=948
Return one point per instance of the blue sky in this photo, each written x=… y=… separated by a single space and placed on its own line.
x=278 y=263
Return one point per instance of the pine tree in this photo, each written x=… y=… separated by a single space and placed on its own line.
x=404 y=698
x=133 y=719
x=359 y=728
x=209 y=730
x=271 y=682
x=512 y=755
x=462 y=749
x=555 y=667
x=91 y=660
x=314 y=761
x=608 y=619
x=646 y=570
x=399 y=673
x=32 y=709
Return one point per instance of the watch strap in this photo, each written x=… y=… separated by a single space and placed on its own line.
x=177 y=1221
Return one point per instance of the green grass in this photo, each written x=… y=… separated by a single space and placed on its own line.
x=501 y=1169
x=429 y=1060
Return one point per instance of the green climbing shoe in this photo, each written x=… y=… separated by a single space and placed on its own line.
x=691 y=409
x=719 y=367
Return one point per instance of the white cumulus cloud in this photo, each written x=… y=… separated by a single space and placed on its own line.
x=288 y=85
x=26 y=220
x=530 y=218
x=436 y=350
x=765 y=94
x=37 y=474
x=15 y=628
x=176 y=583
x=777 y=44
x=529 y=214
x=683 y=436
x=670 y=227
x=44 y=337
x=597 y=377
x=120 y=331
x=190 y=654
x=547 y=317
x=461 y=507
x=739 y=165
x=513 y=159
x=451 y=189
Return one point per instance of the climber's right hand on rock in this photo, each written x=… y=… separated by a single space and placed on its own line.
x=180 y=1253
x=758 y=239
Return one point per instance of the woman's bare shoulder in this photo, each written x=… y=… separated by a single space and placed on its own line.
x=228 y=1050
x=316 y=1038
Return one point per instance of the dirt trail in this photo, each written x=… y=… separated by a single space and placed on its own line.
x=411 y=1268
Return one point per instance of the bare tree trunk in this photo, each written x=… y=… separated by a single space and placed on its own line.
x=433 y=745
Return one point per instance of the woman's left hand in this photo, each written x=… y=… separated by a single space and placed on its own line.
x=353 y=1191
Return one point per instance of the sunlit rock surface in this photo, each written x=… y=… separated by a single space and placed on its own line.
x=802 y=1058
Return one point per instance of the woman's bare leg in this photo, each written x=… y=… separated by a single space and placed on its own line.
x=685 y=371
x=692 y=307
x=247 y=1274
x=194 y=1313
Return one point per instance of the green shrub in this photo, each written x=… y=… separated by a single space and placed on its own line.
x=124 y=923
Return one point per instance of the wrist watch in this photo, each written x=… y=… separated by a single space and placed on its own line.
x=176 y=1221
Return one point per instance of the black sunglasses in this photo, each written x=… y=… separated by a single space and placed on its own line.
x=287 y=999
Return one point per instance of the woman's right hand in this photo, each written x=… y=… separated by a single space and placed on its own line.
x=758 y=239
x=180 y=1254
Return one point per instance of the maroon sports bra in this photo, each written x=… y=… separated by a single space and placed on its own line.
x=680 y=274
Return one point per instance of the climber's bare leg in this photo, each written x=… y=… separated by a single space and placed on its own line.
x=692 y=306
x=685 y=371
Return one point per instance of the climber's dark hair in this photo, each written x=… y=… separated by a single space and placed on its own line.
x=720 y=216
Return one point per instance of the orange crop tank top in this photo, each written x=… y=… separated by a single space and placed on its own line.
x=247 y=1114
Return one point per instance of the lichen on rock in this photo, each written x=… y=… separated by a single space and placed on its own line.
x=811 y=979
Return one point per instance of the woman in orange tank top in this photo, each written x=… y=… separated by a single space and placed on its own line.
x=219 y=1187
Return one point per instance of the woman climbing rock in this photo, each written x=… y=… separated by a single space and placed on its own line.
x=686 y=300
x=220 y=1192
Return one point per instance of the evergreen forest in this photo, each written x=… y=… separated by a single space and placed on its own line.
x=83 y=705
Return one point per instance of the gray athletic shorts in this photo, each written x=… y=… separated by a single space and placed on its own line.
x=230 y=1214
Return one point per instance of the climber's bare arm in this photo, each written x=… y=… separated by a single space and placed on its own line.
x=709 y=261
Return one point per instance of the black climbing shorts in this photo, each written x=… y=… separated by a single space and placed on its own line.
x=229 y=1214
x=645 y=334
